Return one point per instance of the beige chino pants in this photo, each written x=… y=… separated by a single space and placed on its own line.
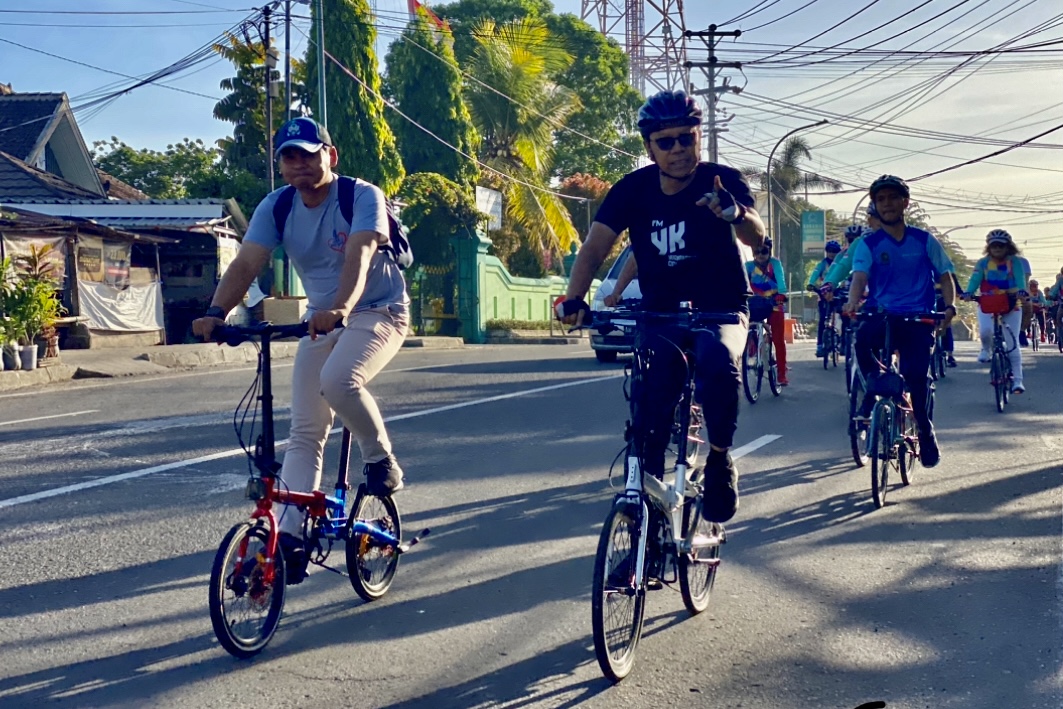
x=329 y=375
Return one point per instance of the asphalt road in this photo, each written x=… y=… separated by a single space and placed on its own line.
x=950 y=596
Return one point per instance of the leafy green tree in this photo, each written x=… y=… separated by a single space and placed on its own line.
x=179 y=172
x=435 y=211
x=355 y=112
x=517 y=59
x=426 y=85
x=608 y=109
x=598 y=75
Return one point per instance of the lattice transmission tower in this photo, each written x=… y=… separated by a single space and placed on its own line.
x=653 y=37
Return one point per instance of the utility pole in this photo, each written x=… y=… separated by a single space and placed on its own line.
x=266 y=12
x=288 y=60
x=322 y=104
x=710 y=37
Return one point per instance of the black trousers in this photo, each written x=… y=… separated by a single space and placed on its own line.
x=914 y=341
x=717 y=379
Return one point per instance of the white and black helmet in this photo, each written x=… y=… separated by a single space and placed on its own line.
x=998 y=236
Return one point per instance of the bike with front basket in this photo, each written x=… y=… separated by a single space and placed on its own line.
x=1001 y=376
x=758 y=358
x=248 y=578
x=654 y=533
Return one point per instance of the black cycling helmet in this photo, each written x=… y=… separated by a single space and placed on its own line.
x=853 y=232
x=765 y=245
x=668 y=109
x=833 y=246
x=889 y=181
x=998 y=236
x=872 y=211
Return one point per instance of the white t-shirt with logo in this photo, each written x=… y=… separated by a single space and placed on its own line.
x=314 y=239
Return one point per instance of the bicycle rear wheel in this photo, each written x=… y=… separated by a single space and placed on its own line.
x=858 y=433
x=697 y=570
x=246 y=595
x=618 y=599
x=881 y=453
x=752 y=372
x=835 y=347
x=371 y=564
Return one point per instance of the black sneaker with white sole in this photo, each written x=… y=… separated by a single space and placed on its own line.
x=384 y=477
x=719 y=499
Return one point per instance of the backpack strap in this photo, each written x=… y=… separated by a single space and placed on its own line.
x=345 y=195
x=282 y=208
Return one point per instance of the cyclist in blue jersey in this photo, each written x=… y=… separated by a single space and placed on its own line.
x=1027 y=306
x=815 y=282
x=899 y=264
x=767 y=279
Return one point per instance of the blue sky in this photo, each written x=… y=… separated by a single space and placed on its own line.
x=1001 y=100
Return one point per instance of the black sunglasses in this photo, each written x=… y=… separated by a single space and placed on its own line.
x=667 y=143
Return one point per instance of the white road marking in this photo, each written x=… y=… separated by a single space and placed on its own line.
x=753 y=445
x=1049 y=441
x=53 y=416
x=133 y=474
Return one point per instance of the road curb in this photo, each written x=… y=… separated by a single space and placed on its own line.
x=20 y=379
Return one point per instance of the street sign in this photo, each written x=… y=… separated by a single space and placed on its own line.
x=813 y=230
x=490 y=203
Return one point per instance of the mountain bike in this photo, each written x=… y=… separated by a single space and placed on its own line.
x=1001 y=376
x=892 y=438
x=758 y=357
x=654 y=533
x=250 y=571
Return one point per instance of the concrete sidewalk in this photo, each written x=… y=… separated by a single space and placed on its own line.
x=134 y=361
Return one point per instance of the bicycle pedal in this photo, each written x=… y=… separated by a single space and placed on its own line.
x=654 y=585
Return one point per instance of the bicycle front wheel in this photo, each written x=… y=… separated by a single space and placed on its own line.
x=998 y=376
x=697 y=570
x=752 y=372
x=835 y=347
x=881 y=449
x=773 y=367
x=246 y=594
x=618 y=599
x=371 y=564
x=907 y=455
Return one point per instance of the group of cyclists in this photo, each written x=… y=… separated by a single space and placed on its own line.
x=684 y=218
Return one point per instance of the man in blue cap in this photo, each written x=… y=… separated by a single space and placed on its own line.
x=349 y=274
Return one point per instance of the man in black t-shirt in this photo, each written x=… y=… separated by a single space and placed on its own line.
x=680 y=213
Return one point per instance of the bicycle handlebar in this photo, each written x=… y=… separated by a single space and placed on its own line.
x=233 y=335
x=689 y=318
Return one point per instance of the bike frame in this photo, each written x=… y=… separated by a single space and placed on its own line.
x=264 y=489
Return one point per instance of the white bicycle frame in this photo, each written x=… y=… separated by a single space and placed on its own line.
x=671 y=498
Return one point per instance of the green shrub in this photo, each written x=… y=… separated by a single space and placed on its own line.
x=517 y=325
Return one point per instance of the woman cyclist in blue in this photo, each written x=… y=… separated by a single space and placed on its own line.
x=815 y=281
x=1000 y=271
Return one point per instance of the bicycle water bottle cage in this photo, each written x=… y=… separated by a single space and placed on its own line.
x=887 y=385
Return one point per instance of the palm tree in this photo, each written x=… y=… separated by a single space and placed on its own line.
x=516 y=59
x=787 y=178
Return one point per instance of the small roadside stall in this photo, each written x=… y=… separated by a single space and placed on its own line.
x=110 y=289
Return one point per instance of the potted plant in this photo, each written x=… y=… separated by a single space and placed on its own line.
x=36 y=308
x=9 y=326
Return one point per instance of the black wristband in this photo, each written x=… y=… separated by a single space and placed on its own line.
x=948 y=308
x=741 y=216
x=215 y=312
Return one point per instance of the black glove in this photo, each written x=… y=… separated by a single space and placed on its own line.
x=567 y=308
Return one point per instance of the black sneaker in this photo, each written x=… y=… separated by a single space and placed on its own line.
x=719 y=500
x=384 y=477
x=295 y=558
x=950 y=361
x=929 y=454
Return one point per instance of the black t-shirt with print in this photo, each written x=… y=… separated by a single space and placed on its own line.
x=684 y=252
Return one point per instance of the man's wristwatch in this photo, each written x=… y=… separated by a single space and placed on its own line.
x=215 y=312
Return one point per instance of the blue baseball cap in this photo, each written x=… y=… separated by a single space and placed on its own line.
x=304 y=133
